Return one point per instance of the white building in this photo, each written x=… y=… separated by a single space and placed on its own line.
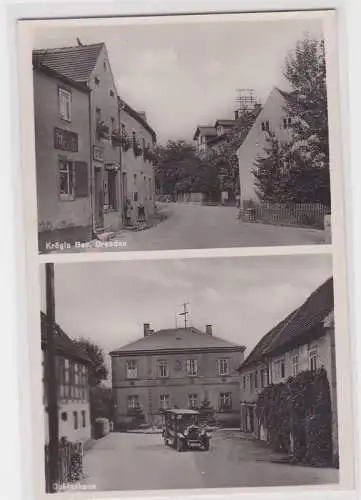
x=273 y=118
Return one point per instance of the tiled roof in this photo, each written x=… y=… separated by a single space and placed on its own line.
x=177 y=339
x=75 y=63
x=206 y=130
x=307 y=318
x=63 y=343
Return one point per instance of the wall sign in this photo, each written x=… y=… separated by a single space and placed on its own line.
x=65 y=140
x=98 y=153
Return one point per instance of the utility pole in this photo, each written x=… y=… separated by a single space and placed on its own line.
x=50 y=380
x=185 y=313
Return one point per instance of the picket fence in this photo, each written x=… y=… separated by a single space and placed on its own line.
x=291 y=214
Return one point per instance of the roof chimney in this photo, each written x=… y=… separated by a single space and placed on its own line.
x=209 y=330
x=79 y=42
x=146 y=328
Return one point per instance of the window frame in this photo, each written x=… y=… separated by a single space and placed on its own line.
x=192 y=367
x=129 y=370
x=70 y=172
x=65 y=101
x=312 y=356
x=222 y=362
x=164 y=401
x=225 y=401
x=162 y=364
x=135 y=401
x=192 y=401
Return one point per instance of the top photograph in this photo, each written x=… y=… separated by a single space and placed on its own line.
x=181 y=132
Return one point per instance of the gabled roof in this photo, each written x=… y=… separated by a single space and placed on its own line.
x=75 y=63
x=63 y=343
x=206 y=130
x=307 y=320
x=290 y=97
x=178 y=339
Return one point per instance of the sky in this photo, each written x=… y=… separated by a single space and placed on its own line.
x=187 y=74
x=243 y=298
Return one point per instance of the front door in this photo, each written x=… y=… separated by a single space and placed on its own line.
x=98 y=198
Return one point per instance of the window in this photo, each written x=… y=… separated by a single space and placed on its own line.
x=223 y=367
x=162 y=368
x=75 y=419
x=164 y=401
x=132 y=368
x=64 y=416
x=83 y=418
x=135 y=179
x=150 y=189
x=256 y=380
x=244 y=382
x=192 y=368
x=135 y=196
x=279 y=366
x=251 y=382
x=66 y=179
x=225 y=402
x=111 y=93
x=133 y=401
x=313 y=359
x=193 y=401
x=287 y=122
x=295 y=365
x=265 y=126
x=105 y=65
x=263 y=378
x=65 y=104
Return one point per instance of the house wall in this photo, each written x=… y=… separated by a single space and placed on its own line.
x=149 y=386
x=253 y=146
x=325 y=347
x=66 y=427
x=138 y=172
x=104 y=97
x=59 y=219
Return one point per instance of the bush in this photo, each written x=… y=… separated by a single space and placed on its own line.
x=300 y=408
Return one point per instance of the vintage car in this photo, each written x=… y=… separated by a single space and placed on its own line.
x=182 y=430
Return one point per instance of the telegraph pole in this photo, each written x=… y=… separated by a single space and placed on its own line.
x=50 y=380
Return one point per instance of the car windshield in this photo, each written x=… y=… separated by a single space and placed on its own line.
x=187 y=420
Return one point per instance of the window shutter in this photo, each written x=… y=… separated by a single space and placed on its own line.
x=81 y=179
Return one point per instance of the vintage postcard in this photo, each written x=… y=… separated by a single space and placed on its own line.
x=180 y=132
x=187 y=303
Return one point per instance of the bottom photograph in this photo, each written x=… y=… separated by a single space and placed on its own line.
x=191 y=373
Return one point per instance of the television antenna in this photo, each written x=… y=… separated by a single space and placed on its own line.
x=246 y=99
x=185 y=314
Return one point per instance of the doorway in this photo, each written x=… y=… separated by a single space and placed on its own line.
x=98 y=198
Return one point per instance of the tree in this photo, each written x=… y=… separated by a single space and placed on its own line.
x=101 y=401
x=178 y=169
x=97 y=371
x=299 y=170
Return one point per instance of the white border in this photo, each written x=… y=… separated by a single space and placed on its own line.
x=347 y=10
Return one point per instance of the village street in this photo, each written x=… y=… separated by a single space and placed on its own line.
x=126 y=461
x=194 y=226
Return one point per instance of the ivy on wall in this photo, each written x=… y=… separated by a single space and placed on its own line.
x=298 y=418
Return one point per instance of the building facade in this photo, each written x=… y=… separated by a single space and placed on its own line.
x=180 y=367
x=273 y=118
x=138 y=181
x=63 y=157
x=305 y=340
x=72 y=366
x=86 y=170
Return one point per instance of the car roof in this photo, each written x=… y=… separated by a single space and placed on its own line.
x=177 y=411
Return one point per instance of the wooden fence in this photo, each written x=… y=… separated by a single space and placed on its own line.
x=70 y=464
x=293 y=214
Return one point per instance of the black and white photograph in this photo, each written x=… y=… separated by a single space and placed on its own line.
x=190 y=374
x=174 y=133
